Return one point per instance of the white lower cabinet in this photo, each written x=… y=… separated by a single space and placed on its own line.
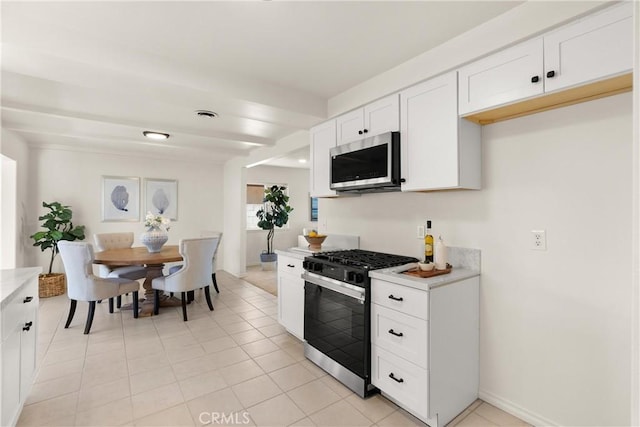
x=18 y=348
x=291 y=295
x=425 y=347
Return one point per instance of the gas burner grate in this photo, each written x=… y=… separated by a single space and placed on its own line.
x=365 y=259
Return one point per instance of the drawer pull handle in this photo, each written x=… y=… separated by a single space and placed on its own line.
x=393 y=377
x=398 y=334
x=290 y=265
x=27 y=299
x=27 y=326
x=551 y=74
x=395 y=298
x=535 y=79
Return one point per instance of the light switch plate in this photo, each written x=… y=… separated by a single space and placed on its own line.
x=420 y=234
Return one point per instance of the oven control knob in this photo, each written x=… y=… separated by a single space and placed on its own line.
x=359 y=278
x=305 y=265
x=317 y=266
x=351 y=276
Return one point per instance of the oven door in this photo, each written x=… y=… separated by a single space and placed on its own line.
x=336 y=322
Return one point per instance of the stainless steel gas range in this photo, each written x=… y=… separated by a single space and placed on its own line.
x=337 y=318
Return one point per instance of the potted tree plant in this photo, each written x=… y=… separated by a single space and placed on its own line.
x=58 y=226
x=275 y=213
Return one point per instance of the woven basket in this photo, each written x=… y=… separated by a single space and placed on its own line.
x=51 y=285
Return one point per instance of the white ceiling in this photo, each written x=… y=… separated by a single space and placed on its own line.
x=94 y=75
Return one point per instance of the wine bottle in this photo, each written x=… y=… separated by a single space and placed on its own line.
x=428 y=244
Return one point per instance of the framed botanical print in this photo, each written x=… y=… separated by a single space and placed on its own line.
x=161 y=197
x=120 y=198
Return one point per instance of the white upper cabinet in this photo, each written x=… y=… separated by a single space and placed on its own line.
x=323 y=139
x=439 y=150
x=373 y=119
x=594 y=48
x=501 y=78
x=598 y=46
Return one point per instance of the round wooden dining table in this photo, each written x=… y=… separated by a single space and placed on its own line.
x=153 y=262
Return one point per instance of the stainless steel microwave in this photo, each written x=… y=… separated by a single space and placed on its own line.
x=368 y=165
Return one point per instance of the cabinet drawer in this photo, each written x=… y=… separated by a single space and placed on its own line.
x=413 y=302
x=289 y=265
x=410 y=387
x=405 y=336
x=21 y=306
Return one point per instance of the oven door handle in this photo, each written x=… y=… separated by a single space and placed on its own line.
x=335 y=285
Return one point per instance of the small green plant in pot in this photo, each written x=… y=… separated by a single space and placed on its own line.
x=57 y=226
x=274 y=214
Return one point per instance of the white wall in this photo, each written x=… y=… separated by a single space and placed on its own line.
x=555 y=324
x=234 y=205
x=75 y=178
x=635 y=355
x=8 y=229
x=14 y=147
x=297 y=181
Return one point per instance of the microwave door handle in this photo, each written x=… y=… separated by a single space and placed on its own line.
x=334 y=285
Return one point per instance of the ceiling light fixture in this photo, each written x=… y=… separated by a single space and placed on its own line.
x=206 y=113
x=155 y=135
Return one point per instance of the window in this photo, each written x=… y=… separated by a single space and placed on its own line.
x=255 y=196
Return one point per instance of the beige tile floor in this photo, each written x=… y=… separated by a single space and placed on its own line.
x=265 y=280
x=235 y=365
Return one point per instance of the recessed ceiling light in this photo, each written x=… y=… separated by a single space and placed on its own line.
x=155 y=135
x=302 y=160
x=206 y=113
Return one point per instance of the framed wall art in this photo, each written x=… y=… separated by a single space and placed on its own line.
x=161 y=197
x=120 y=198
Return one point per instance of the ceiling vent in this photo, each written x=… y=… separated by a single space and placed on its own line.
x=206 y=113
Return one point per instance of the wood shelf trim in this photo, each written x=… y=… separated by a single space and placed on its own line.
x=576 y=95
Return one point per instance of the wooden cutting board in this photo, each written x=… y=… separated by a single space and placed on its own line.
x=424 y=274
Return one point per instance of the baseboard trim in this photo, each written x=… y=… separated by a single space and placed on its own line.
x=515 y=410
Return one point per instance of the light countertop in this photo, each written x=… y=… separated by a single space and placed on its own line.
x=12 y=280
x=465 y=261
x=395 y=275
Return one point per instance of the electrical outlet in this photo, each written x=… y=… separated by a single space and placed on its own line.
x=420 y=234
x=538 y=240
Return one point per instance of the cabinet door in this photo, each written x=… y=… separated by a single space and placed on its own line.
x=10 y=376
x=28 y=353
x=429 y=128
x=291 y=304
x=382 y=116
x=350 y=126
x=323 y=139
x=507 y=76
x=594 y=48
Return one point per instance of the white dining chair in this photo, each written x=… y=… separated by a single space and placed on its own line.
x=107 y=241
x=195 y=273
x=217 y=234
x=83 y=285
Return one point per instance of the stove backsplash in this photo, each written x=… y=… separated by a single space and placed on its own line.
x=464 y=257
